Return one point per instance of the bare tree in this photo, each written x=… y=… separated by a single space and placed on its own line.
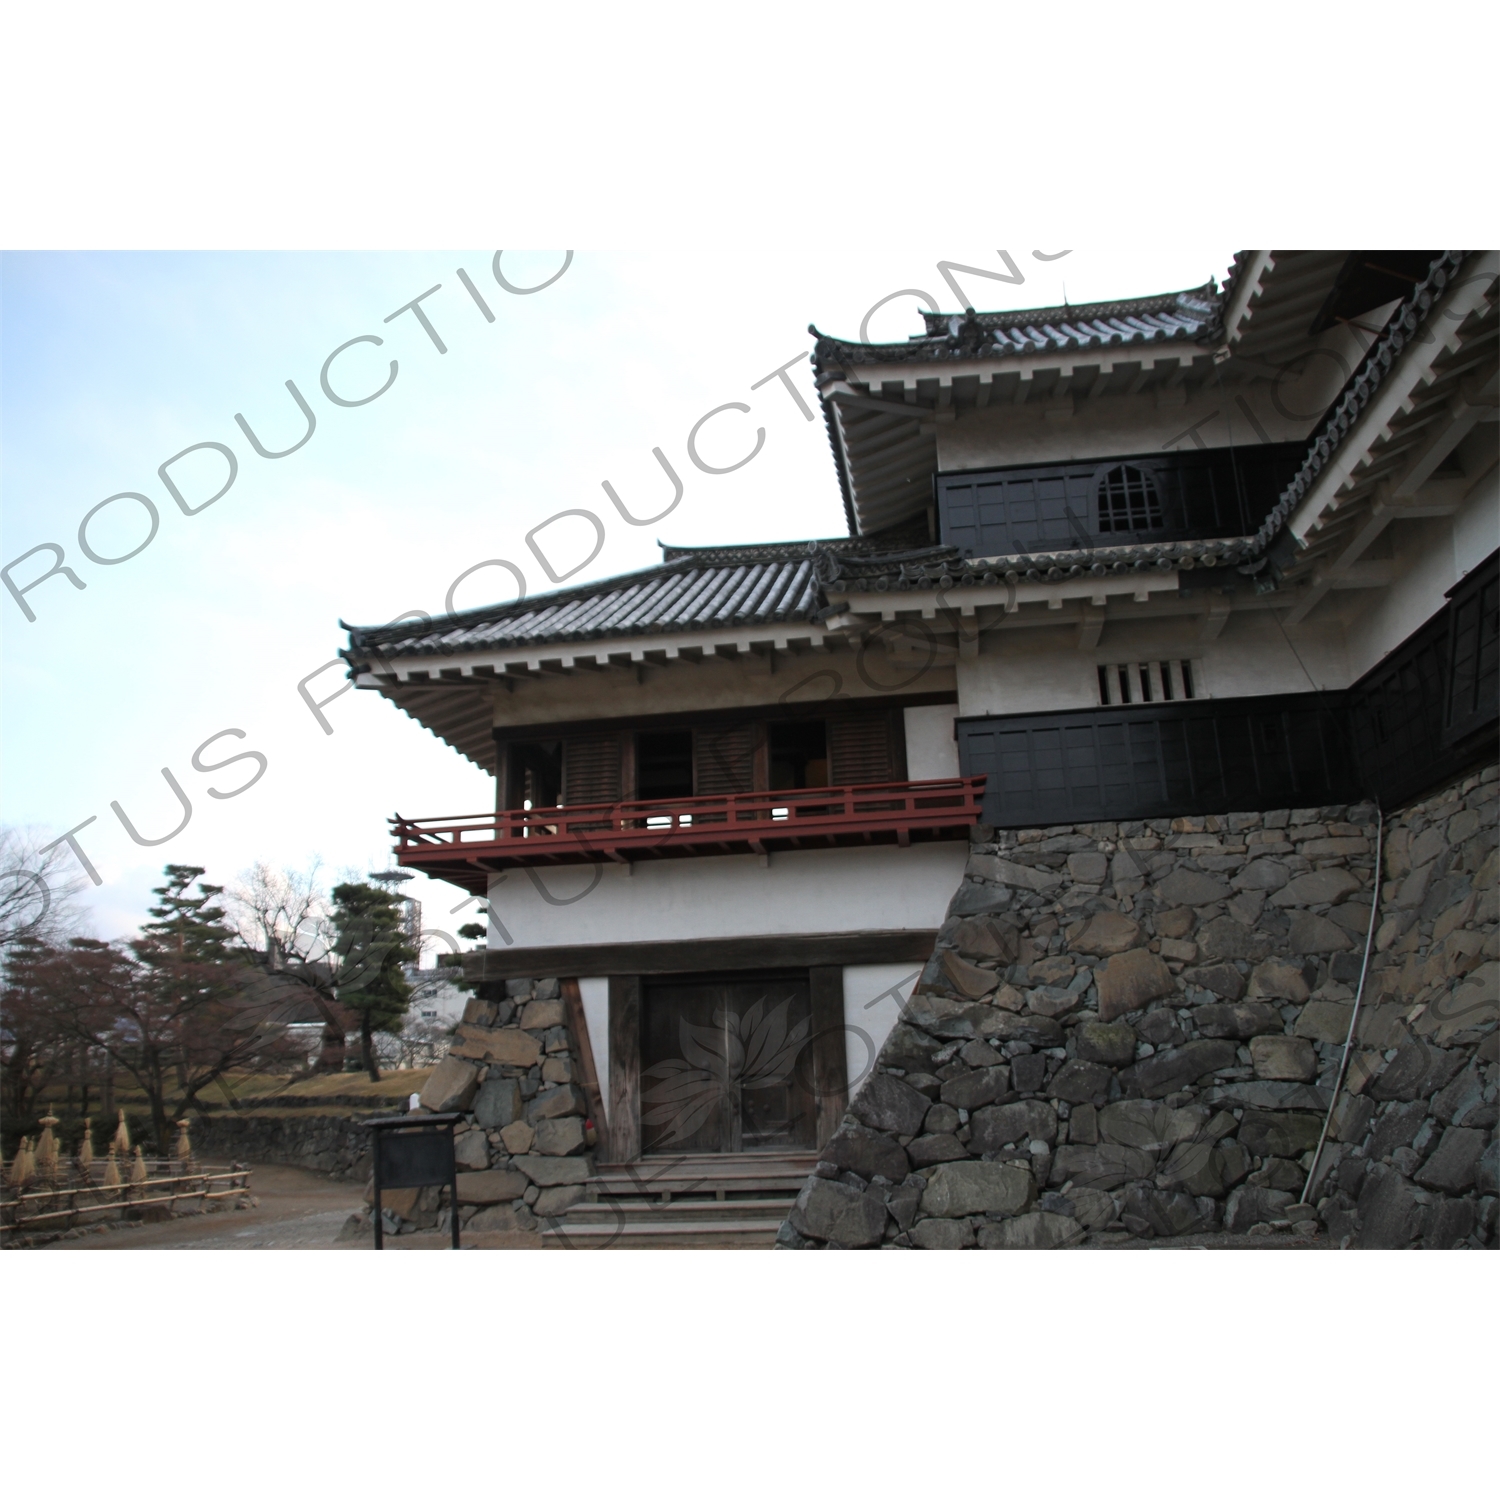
x=285 y=919
x=39 y=888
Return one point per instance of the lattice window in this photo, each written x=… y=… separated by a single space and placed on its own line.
x=1150 y=682
x=1128 y=500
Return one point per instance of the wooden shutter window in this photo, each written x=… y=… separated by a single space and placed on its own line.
x=724 y=756
x=591 y=770
x=861 y=750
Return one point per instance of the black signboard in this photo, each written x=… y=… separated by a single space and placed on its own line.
x=415 y=1151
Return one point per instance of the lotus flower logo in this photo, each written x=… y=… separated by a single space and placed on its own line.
x=735 y=1055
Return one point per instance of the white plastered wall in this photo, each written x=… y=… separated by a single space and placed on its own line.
x=1433 y=555
x=882 y=888
x=874 y=995
x=595 y=995
x=931 y=751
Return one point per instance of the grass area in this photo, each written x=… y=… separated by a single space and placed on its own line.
x=393 y=1088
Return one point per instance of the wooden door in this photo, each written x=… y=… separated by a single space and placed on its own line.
x=726 y=1064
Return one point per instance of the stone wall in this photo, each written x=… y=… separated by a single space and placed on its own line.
x=337 y=1144
x=1131 y=1032
x=524 y=1145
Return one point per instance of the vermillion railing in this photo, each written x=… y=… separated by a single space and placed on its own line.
x=809 y=817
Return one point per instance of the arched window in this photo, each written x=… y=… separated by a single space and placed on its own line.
x=1127 y=500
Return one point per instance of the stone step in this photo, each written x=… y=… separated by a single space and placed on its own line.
x=632 y=1211
x=715 y=1234
x=703 y=1175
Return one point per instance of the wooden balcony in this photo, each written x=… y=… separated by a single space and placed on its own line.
x=466 y=850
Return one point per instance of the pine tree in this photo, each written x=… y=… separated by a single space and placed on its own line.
x=371 y=948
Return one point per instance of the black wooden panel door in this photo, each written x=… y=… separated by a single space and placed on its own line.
x=722 y=1068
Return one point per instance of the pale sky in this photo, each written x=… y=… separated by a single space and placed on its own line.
x=110 y=364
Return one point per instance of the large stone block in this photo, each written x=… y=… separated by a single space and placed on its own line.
x=1111 y=1044
x=1261 y=875
x=1289 y=1058
x=1102 y=1167
x=1146 y=1125
x=856 y=1148
x=1147 y=1211
x=1243 y=1021
x=1091 y=1208
x=517 y=1137
x=1130 y=980
x=886 y=1103
x=471 y=1152
x=1195 y=1168
x=503 y=1044
x=943 y=1234
x=1276 y=979
x=490 y=1187
x=555 y=1171
x=1417 y=1071
x=1283 y=1134
x=991 y=937
x=1033 y=1231
x=1088 y=868
x=908 y=1048
x=1105 y=934
x=999 y=1025
x=1223 y=980
x=1255 y=1205
x=1451 y=1168
x=1008 y=872
x=1317 y=888
x=498 y=1216
x=1226 y=938
x=451 y=1086
x=1260 y=1093
x=1463 y=1100
x=554 y=1201
x=836 y=1212
x=559 y=1137
x=1467 y=1007
x=968 y=979
x=928 y=1150
x=1190 y=888
x=1324 y=1021
x=1004 y=1124
x=977 y=1187
x=1079 y=1082
x=1311 y=934
x=497 y=1103
x=980 y=1087
x=551 y=1104
x=1391 y=1215
x=538 y=1015
x=1156 y=1077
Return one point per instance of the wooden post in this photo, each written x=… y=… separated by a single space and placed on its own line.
x=830 y=1071
x=583 y=1050
x=624 y=1067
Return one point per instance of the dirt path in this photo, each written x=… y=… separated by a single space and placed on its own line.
x=296 y=1210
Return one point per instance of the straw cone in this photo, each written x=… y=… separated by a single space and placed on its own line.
x=111 y=1169
x=122 y=1136
x=184 y=1145
x=23 y=1166
x=46 y=1147
x=138 y=1171
x=86 y=1149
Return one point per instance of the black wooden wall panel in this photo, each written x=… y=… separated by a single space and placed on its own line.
x=1160 y=760
x=1192 y=494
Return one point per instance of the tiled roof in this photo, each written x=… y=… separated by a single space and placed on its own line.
x=702 y=589
x=1359 y=390
x=1093 y=325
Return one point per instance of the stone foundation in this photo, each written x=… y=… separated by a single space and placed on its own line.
x=524 y=1146
x=1131 y=1032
